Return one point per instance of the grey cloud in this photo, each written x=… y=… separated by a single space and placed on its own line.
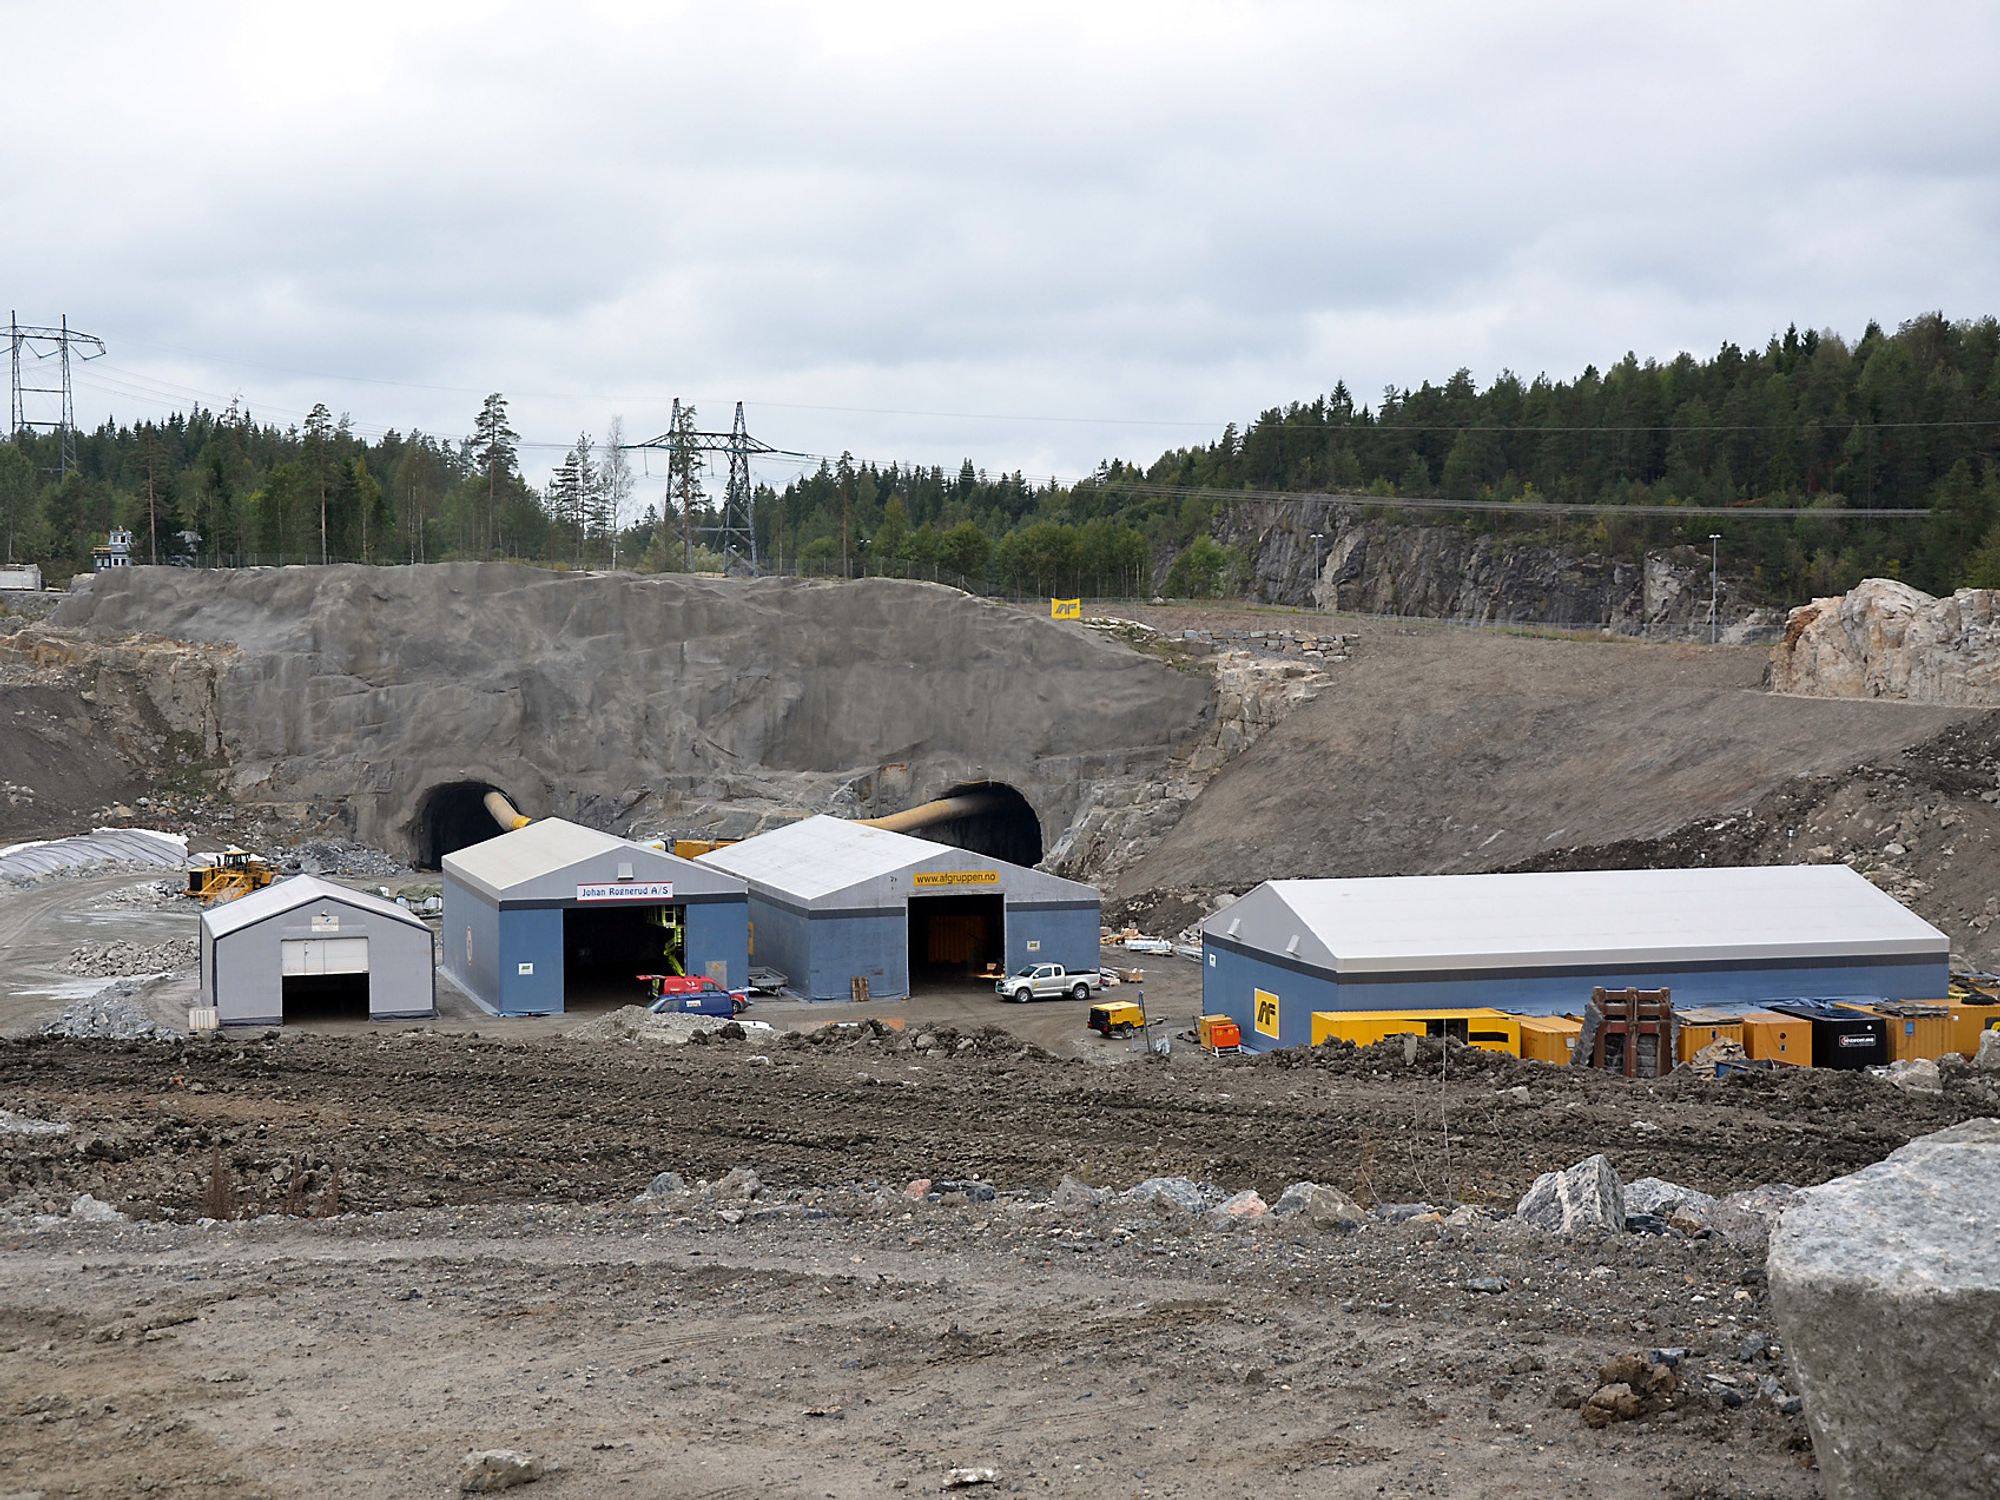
x=1105 y=210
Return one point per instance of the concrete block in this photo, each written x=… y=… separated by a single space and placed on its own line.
x=1886 y=1289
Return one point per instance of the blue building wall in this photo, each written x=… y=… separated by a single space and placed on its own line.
x=820 y=953
x=719 y=932
x=1230 y=975
x=531 y=936
x=873 y=944
x=504 y=939
x=1066 y=935
x=469 y=941
x=779 y=935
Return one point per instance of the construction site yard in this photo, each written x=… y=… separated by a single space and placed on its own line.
x=348 y=1260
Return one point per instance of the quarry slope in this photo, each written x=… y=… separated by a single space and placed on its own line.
x=352 y=693
x=1440 y=750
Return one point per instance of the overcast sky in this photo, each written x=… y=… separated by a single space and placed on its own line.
x=1034 y=235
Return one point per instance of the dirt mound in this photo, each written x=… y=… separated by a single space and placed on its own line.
x=415 y=1119
x=1438 y=751
x=1923 y=824
x=929 y=1041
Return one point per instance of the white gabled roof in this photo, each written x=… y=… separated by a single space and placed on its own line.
x=1421 y=923
x=819 y=855
x=540 y=861
x=288 y=895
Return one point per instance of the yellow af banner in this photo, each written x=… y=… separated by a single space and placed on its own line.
x=1265 y=1014
x=1065 y=609
x=955 y=877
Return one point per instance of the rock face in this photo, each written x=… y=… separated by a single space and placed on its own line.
x=1376 y=566
x=1584 y=1197
x=1884 y=639
x=615 y=699
x=1886 y=1287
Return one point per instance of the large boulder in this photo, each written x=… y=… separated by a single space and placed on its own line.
x=1583 y=1197
x=1886 y=1288
x=1884 y=639
x=1321 y=1206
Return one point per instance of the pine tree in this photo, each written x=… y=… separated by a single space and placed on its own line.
x=318 y=435
x=684 y=476
x=493 y=442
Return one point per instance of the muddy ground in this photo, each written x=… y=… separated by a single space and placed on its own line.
x=415 y=1119
x=488 y=1281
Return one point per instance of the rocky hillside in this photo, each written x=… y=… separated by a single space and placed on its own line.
x=1376 y=566
x=345 y=696
x=1884 y=639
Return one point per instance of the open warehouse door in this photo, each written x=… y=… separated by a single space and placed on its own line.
x=324 y=979
x=954 y=939
x=607 y=947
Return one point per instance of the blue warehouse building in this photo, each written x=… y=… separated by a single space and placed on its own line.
x=833 y=901
x=1539 y=943
x=555 y=914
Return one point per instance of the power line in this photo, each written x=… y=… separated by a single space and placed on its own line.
x=1516 y=507
x=1377 y=423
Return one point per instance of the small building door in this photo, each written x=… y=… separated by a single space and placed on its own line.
x=303 y=957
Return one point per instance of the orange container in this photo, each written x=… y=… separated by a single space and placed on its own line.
x=1695 y=1028
x=1775 y=1038
x=1914 y=1031
x=1218 y=1031
x=1549 y=1039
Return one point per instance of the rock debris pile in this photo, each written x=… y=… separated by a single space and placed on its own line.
x=120 y=959
x=110 y=1014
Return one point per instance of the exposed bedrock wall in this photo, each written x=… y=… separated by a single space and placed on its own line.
x=351 y=691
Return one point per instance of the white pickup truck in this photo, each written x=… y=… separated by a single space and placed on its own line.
x=1047 y=982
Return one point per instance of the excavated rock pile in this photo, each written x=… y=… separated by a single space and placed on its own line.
x=120 y=959
x=111 y=1014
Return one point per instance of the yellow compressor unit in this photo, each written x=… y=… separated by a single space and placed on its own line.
x=1914 y=1030
x=1967 y=1020
x=1549 y=1039
x=1485 y=1028
x=1775 y=1038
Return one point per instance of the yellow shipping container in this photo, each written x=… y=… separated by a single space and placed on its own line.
x=1775 y=1038
x=1698 y=1027
x=1549 y=1039
x=1967 y=1021
x=1914 y=1031
x=1485 y=1028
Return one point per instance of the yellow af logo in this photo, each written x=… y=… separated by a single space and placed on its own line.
x=1266 y=1014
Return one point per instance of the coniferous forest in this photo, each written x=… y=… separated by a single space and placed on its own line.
x=1908 y=420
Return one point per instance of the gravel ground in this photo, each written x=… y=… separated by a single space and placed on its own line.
x=486 y=1278
x=868 y=1343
